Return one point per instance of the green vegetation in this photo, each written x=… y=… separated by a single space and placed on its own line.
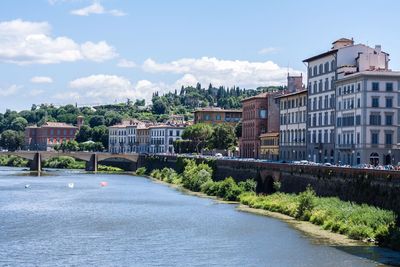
x=64 y=162
x=141 y=171
x=354 y=220
x=198 y=178
x=12 y=140
x=13 y=161
x=205 y=136
x=103 y=168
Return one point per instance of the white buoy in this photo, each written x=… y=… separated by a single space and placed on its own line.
x=71 y=185
x=27 y=185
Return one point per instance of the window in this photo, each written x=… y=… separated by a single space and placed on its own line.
x=375 y=119
x=358 y=119
x=389 y=119
x=375 y=102
x=218 y=117
x=389 y=102
x=315 y=71
x=358 y=102
x=320 y=69
x=375 y=86
x=374 y=138
x=263 y=113
x=388 y=139
x=326 y=67
x=389 y=87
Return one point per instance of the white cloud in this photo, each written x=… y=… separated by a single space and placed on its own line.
x=102 y=88
x=24 y=42
x=124 y=63
x=11 y=90
x=96 y=8
x=222 y=72
x=41 y=79
x=268 y=50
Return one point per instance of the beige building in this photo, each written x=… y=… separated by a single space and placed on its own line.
x=217 y=115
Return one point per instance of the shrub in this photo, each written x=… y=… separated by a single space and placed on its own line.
x=195 y=175
x=248 y=186
x=228 y=189
x=156 y=173
x=306 y=204
x=277 y=186
x=109 y=168
x=141 y=171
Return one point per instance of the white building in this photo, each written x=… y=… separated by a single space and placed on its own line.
x=163 y=136
x=368 y=118
x=323 y=72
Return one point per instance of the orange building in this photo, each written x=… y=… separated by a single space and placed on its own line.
x=217 y=115
x=48 y=135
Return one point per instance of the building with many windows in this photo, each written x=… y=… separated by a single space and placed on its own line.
x=216 y=115
x=260 y=116
x=367 y=123
x=293 y=118
x=133 y=136
x=48 y=135
x=323 y=71
x=269 y=146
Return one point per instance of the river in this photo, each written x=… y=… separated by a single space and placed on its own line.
x=135 y=222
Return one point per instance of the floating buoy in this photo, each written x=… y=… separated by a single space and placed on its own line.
x=103 y=184
x=71 y=185
x=27 y=185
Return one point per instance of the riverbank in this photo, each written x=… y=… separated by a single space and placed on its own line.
x=317 y=234
x=331 y=219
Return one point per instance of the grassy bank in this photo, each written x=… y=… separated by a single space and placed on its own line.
x=358 y=222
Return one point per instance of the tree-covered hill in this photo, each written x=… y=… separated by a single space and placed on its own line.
x=98 y=118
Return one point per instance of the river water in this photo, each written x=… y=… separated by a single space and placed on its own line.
x=135 y=222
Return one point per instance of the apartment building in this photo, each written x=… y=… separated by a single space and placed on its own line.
x=162 y=137
x=367 y=127
x=322 y=76
x=260 y=116
x=293 y=120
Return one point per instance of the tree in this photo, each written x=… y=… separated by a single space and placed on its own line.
x=96 y=120
x=223 y=137
x=112 y=118
x=238 y=130
x=19 y=124
x=140 y=102
x=84 y=134
x=72 y=146
x=100 y=134
x=200 y=133
x=159 y=106
x=12 y=140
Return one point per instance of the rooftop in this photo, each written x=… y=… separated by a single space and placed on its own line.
x=57 y=125
x=216 y=109
x=292 y=93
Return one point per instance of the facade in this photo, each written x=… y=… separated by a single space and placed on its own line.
x=162 y=137
x=293 y=126
x=367 y=123
x=260 y=116
x=217 y=115
x=269 y=146
x=49 y=134
x=133 y=136
x=323 y=72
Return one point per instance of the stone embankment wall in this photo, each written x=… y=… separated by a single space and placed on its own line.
x=375 y=187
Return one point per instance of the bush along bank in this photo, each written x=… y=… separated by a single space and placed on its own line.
x=13 y=161
x=359 y=222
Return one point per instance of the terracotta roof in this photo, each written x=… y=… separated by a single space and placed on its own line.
x=262 y=95
x=292 y=93
x=57 y=125
x=217 y=109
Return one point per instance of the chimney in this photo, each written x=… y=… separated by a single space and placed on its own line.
x=378 y=48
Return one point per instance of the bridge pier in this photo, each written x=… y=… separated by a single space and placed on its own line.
x=91 y=165
x=36 y=162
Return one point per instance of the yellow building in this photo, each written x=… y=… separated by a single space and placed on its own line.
x=217 y=115
x=269 y=148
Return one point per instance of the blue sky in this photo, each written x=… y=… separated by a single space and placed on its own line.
x=89 y=52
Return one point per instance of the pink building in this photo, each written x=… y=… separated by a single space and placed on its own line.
x=48 y=135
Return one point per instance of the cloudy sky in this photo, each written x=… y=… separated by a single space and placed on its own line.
x=105 y=51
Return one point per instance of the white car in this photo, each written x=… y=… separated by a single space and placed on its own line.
x=218 y=155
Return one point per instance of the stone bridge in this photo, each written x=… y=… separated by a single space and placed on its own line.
x=91 y=158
